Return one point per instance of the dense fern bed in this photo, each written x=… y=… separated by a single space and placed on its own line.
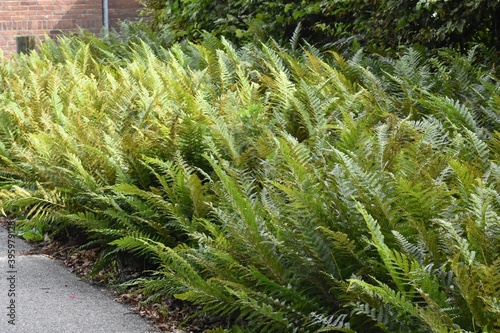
x=285 y=191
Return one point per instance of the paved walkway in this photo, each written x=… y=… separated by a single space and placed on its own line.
x=40 y=295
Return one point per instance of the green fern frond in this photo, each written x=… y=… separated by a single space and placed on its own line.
x=388 y=295
x=395 y=263
x=452 y=111
x=478 y=147
x=332 y=323
x=136 y=242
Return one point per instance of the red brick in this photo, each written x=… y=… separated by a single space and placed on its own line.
x=51 y=16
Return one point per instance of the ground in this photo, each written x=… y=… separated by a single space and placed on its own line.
x=168 y=314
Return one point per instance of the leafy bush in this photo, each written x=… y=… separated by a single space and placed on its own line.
x=288 y=194
x=379 y=24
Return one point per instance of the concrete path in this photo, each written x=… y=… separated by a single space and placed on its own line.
x=40 y=295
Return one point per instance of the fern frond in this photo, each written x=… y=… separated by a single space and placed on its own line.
x=395 y=263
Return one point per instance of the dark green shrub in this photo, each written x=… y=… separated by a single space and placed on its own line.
x=381 y=24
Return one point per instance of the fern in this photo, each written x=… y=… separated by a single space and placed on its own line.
x=288 y=191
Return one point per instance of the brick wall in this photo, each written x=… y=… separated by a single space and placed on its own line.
x=39 y=17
